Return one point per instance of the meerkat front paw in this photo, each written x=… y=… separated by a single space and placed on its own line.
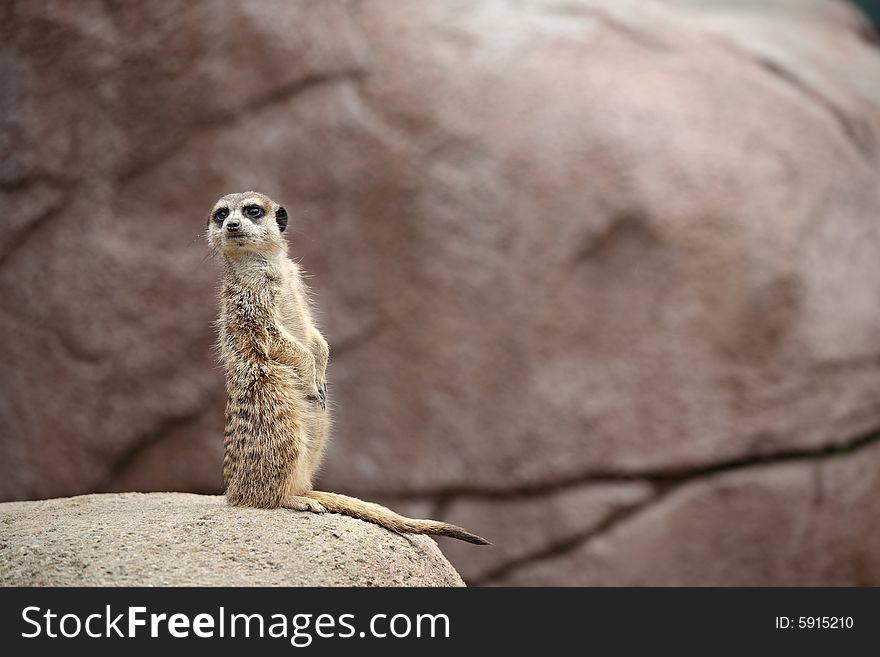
x=318 y=396
x=299 y=503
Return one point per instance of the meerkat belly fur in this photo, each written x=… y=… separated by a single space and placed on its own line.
x=275 y=359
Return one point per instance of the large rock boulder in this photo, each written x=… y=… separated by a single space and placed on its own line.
x=569 y=255
x=179 y=539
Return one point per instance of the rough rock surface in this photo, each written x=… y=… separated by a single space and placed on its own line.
x=179 y=539
x=792 y=523
x=564 y=250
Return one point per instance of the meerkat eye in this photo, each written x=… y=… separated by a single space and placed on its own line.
x=254 y=211
x=220 y=215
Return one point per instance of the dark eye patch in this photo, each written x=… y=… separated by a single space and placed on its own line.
x=254 y=211
x=221 y=214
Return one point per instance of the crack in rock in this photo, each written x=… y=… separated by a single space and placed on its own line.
x=662 y=477
x=665 y=486
x=151 y=438
x=565 y=545
x=855 y=132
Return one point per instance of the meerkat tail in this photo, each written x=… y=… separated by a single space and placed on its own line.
x=379 y=515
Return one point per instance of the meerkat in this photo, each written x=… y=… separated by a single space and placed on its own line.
x=275 y=360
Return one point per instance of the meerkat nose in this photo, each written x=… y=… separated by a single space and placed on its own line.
x=233 y=225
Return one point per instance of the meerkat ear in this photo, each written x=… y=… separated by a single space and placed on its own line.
x=281 y=218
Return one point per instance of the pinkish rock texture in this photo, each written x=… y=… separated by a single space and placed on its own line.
x=790 y=524
x=587 y=268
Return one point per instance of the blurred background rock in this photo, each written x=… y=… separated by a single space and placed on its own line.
x=601 y=279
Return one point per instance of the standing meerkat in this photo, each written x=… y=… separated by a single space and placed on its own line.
x=277 y=415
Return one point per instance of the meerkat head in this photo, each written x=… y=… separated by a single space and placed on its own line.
x=247 y=223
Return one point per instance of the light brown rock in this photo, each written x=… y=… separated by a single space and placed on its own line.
x=178 y=539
